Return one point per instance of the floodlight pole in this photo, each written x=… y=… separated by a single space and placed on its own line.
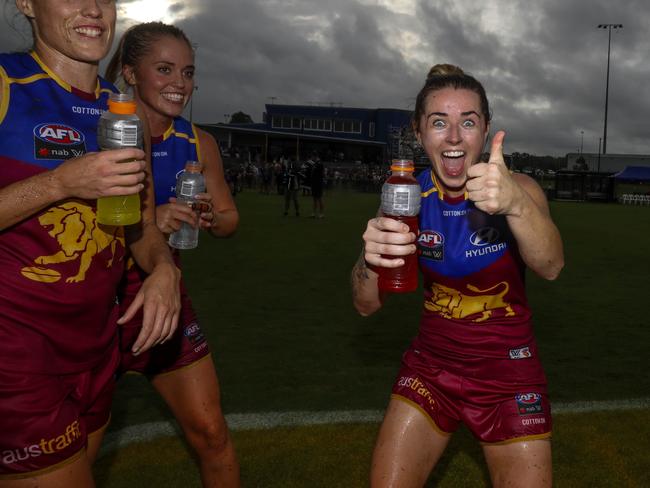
x=609 y=28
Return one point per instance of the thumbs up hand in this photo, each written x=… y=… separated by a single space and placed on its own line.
x=490 y=185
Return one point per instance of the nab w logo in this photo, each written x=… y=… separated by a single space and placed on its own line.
x=58 y=134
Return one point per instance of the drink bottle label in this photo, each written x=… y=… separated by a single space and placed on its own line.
x=187 y=189
x=399 y=199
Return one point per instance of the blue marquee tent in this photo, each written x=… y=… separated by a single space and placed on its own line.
x=634 y=173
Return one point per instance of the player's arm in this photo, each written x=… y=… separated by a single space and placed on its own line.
x=159 y=295
x=221 y=218
x=495 y=190
x=383 y=236
x=538 y=238
x=88 y=177
x=365 y=291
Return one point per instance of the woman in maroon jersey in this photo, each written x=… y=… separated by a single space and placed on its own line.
x=475 y=360
x=60 y=269
x=156 y=61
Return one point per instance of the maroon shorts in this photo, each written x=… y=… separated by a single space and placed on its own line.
x=45 y=419
x=494 y=411
x=187 y=345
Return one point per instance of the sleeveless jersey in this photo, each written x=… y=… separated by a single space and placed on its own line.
x=60 y=268
x=476 y=320
x=169 y=154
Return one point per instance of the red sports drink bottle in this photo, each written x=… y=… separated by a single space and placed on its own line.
x=400 y=200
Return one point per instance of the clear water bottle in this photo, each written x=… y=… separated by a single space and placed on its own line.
x=400 y=200
x=188 y=184
x=119 y=127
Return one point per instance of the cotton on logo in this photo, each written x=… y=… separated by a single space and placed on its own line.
x=58 y=134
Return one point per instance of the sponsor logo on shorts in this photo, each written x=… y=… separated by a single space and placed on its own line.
x=193 y=333
x=529 y=403
x=200 y=347
x=520 y=353
x=58 y=141
x=45 y=446
x=534 y=421
x=431 y=245
x=417 y=386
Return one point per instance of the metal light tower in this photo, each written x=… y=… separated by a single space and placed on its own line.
x=582 y=139
x=609 y=28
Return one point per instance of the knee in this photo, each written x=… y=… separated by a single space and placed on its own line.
x=210 y=436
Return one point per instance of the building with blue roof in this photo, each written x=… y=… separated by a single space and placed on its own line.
x=335 y=133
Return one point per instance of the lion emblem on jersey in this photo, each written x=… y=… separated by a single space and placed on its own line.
x=74 y=226
x=453 y=304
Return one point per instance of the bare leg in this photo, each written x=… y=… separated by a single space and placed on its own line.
x=193 y=395
x=520 y=464
x=94 y=443
x=77 y=473
x=407 y=449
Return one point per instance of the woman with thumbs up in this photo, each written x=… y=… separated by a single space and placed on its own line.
x=475 y=359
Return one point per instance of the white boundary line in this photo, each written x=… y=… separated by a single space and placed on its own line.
x=270 y=420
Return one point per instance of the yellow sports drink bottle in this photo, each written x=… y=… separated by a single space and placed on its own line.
x=118 y=128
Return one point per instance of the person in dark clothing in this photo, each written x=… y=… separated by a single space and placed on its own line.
x=291 y=185
x=317 y=180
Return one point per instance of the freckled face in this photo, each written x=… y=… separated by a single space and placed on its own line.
x=453 y=132
x=164 y=77
x=81 y=30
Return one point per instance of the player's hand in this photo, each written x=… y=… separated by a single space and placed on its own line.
x=206 y=211
x=159 y=297
x=388 y=237
x=490 y=185
x=102 y=174
x=170 y=216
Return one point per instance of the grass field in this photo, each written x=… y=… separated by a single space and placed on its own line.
x=275 y=304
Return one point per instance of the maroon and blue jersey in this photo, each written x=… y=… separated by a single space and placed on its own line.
x=169 y=153
x=60 y=268
x=476 y=320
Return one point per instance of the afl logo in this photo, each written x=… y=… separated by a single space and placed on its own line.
x=529 y=403
x=430 y=238
x=485 y=236
x=431 y=245
x=528 y=398
x=59 y=134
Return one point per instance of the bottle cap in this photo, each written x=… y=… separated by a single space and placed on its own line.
x=121 y=103
x=402 y=165
x=193 y=166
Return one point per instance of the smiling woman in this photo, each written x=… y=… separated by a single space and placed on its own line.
x=153 y=10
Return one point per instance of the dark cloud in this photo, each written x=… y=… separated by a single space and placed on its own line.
x=542 y=63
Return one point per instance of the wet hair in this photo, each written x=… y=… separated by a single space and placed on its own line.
x=449 y=76
x=136 y=43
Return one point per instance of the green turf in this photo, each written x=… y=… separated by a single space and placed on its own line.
x=275 y=303
x=589 y=450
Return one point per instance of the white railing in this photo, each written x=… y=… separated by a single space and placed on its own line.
x=634 y=199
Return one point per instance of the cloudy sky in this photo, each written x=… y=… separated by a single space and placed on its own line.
x=543 y=63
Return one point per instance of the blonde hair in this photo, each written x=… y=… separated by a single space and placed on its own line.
x=136 y=43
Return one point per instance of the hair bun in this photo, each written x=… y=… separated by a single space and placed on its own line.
x=444 y=70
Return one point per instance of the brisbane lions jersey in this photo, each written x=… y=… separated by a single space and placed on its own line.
x=169 y=153
x=60 y=268
x=476 y=320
